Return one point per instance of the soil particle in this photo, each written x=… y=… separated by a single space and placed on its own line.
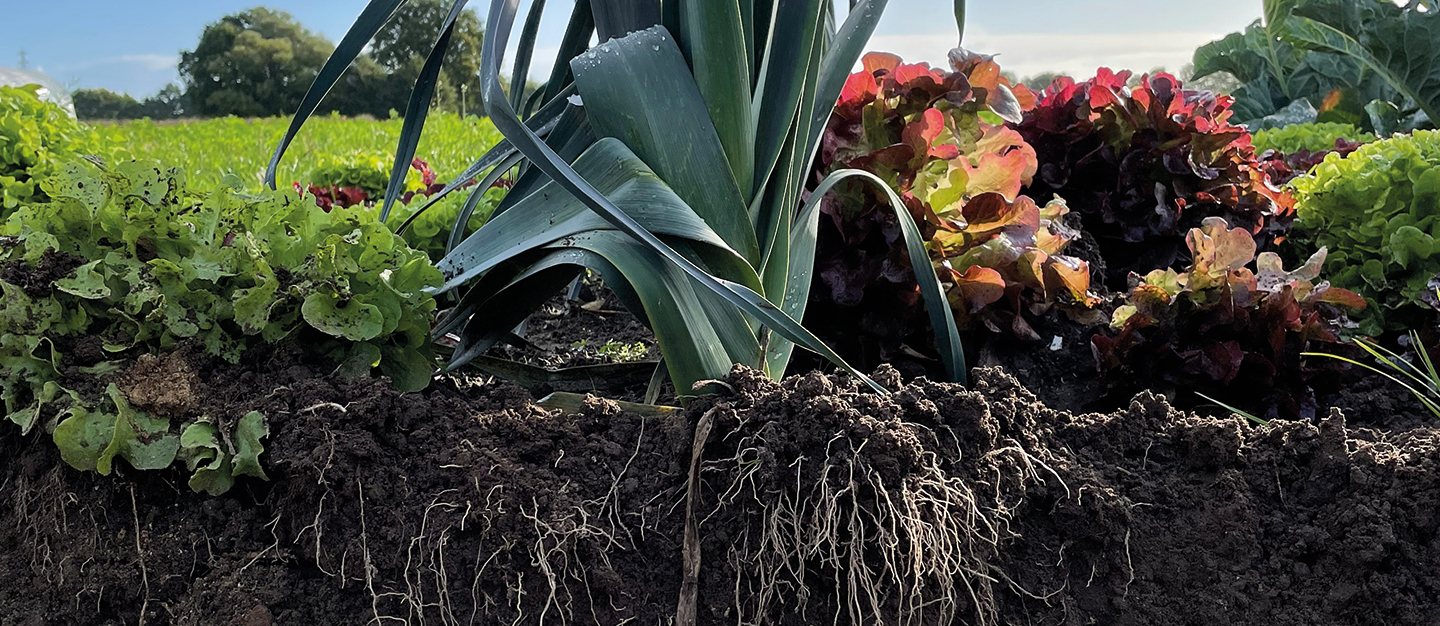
x=85 y=351
x=165 y=385
x=817 y=501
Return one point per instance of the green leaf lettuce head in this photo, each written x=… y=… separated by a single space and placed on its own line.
x=1317 y=137
x=1378 y=212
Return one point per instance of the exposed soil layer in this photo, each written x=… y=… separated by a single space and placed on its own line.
x=592 y=329
x=814 y=502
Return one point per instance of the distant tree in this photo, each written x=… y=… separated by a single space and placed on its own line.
x=168 y=103
x=257 y=62
x=103 y=104
x=402 y=44
x=367 y=89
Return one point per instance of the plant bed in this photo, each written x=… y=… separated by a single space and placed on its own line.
x=467 y=503
x=268 y=359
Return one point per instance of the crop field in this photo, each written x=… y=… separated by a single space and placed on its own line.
x=213 y=148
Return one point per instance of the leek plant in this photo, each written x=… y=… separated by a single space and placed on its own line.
x=671 y=157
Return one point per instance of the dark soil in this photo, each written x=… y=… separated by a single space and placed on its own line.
x=37 y=280
x=592 y=329
x=1371 y=400
x=816 y=502
x=1059 y=368
x=586 y=343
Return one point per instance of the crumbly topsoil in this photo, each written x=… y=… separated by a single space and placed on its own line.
x=813 y=501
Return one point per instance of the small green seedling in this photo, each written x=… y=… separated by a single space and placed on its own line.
x=1426 y=382
x=624 y=352
x=1245 y=414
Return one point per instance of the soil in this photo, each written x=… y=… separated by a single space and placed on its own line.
x=586 y=343
x=571 y=332
x=37 y=280
x=813 y=501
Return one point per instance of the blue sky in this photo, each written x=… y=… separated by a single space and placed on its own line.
x=133 y=45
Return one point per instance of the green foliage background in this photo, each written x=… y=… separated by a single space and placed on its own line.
x=212 y=149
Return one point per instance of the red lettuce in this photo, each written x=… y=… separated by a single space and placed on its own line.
x=328 y=196
x=1224 y=330
x=938 y=138
x=1142 y=165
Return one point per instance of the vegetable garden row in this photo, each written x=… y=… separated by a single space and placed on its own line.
x=318 y=389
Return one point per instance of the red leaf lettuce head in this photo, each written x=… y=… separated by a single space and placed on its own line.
x=939 y=139
x=1231 y=326
x=1142 y=165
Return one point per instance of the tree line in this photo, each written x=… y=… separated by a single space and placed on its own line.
x=259 y=62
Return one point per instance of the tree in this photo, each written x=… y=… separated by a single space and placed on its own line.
x=402 y=44
x=103 y=104
x=256 y=62
x=1039 y=82
x=366 y=88
x=1218 y=82
x=167 y=104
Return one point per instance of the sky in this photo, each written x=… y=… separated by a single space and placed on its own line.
x=133 y=46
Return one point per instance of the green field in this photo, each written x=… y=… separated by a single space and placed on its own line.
x=210 y=149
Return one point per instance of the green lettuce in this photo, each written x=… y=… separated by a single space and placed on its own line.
x=1315 y=137
x=1378 y=212
x=132 y=255
x=35 y=137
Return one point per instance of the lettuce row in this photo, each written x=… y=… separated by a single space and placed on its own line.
x=358 y=182
x=1141 y=165
x=131 y=255
x=35 y=137
x=939 y=139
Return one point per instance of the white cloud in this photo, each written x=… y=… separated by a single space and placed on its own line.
x=1077 y=54
x=144 y=62
x=151 y=62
